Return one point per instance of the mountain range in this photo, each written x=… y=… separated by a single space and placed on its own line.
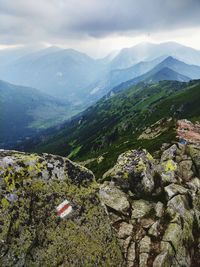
x=67 y=82
x=151 y=71
x=148 y=51
x=82 y=80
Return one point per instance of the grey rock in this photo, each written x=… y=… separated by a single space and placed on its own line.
x=125 y=230
x=145 y=244
x=154 y=230
x=134 y=171
x=146 y=222
x=185 y=169
x=143 y=259
x=165 y=258
x=174 y=189
x=125 y=245
x=144 y=248
x=173 y=234
x=114 y=198
x=159 y=209
x=141 y=208
x=167 y=171
x=178 y=205
x=194 y=152
x=131 y=255
x=169 y=154
x=162 y=260
x=194 y=184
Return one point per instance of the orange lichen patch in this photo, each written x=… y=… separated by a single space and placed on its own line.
x=188 y=131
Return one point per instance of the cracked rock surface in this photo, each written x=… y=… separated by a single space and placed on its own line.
x=161 y=227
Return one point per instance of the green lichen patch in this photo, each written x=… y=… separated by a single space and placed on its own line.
x=32 y=233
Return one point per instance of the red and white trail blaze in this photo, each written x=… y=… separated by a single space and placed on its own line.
x=64 y=209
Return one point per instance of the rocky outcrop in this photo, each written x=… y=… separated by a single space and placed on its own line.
x=160 y=227
x=134 y=171
x=156 y=129
x=31 y=231
x=188 y=131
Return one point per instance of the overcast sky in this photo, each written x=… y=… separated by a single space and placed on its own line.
x=99 y=26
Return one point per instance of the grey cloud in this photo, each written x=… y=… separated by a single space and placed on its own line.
x=49 y=20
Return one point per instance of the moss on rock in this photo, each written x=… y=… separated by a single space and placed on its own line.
x=31 y=232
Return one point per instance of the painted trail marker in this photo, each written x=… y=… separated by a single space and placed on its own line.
x=64 y=209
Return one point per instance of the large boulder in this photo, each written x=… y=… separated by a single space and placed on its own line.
x=134 y=171
x=32 y=230
x=114 y=198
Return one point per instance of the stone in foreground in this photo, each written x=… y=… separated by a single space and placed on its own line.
x=32 y=233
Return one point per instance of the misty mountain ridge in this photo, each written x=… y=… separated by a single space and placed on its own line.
x=73 y=75
x=62 y=73
x=148 y=51
x=80 y=80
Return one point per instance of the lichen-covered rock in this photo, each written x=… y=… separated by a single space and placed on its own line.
x=141 y=208
x=159 y=209
x=131 y=255
x=185 y=169
x=175 y=238
x=166 y=256
x=125 y=230
x=166 y=222
x=194 y=152
x=167 y=171
x=134 y=171
x=32 y=233
x=114 y=198
x=154 y=230
x=169 y=154
x=174 y=189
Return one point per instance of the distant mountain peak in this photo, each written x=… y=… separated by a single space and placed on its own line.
x=171 y=60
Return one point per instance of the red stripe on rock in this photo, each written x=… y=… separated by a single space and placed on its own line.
x=64 y=208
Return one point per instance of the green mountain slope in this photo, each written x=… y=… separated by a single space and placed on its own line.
x=122 y=75
x=166 y=70
x=25 y=111
x=166 y=74
x=113 y=125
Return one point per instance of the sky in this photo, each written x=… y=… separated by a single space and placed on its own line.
x=98 y=27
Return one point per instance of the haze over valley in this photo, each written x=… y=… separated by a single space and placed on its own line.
x=76 y=81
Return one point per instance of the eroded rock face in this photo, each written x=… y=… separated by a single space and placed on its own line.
x=32 y=233
x=160 y=229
